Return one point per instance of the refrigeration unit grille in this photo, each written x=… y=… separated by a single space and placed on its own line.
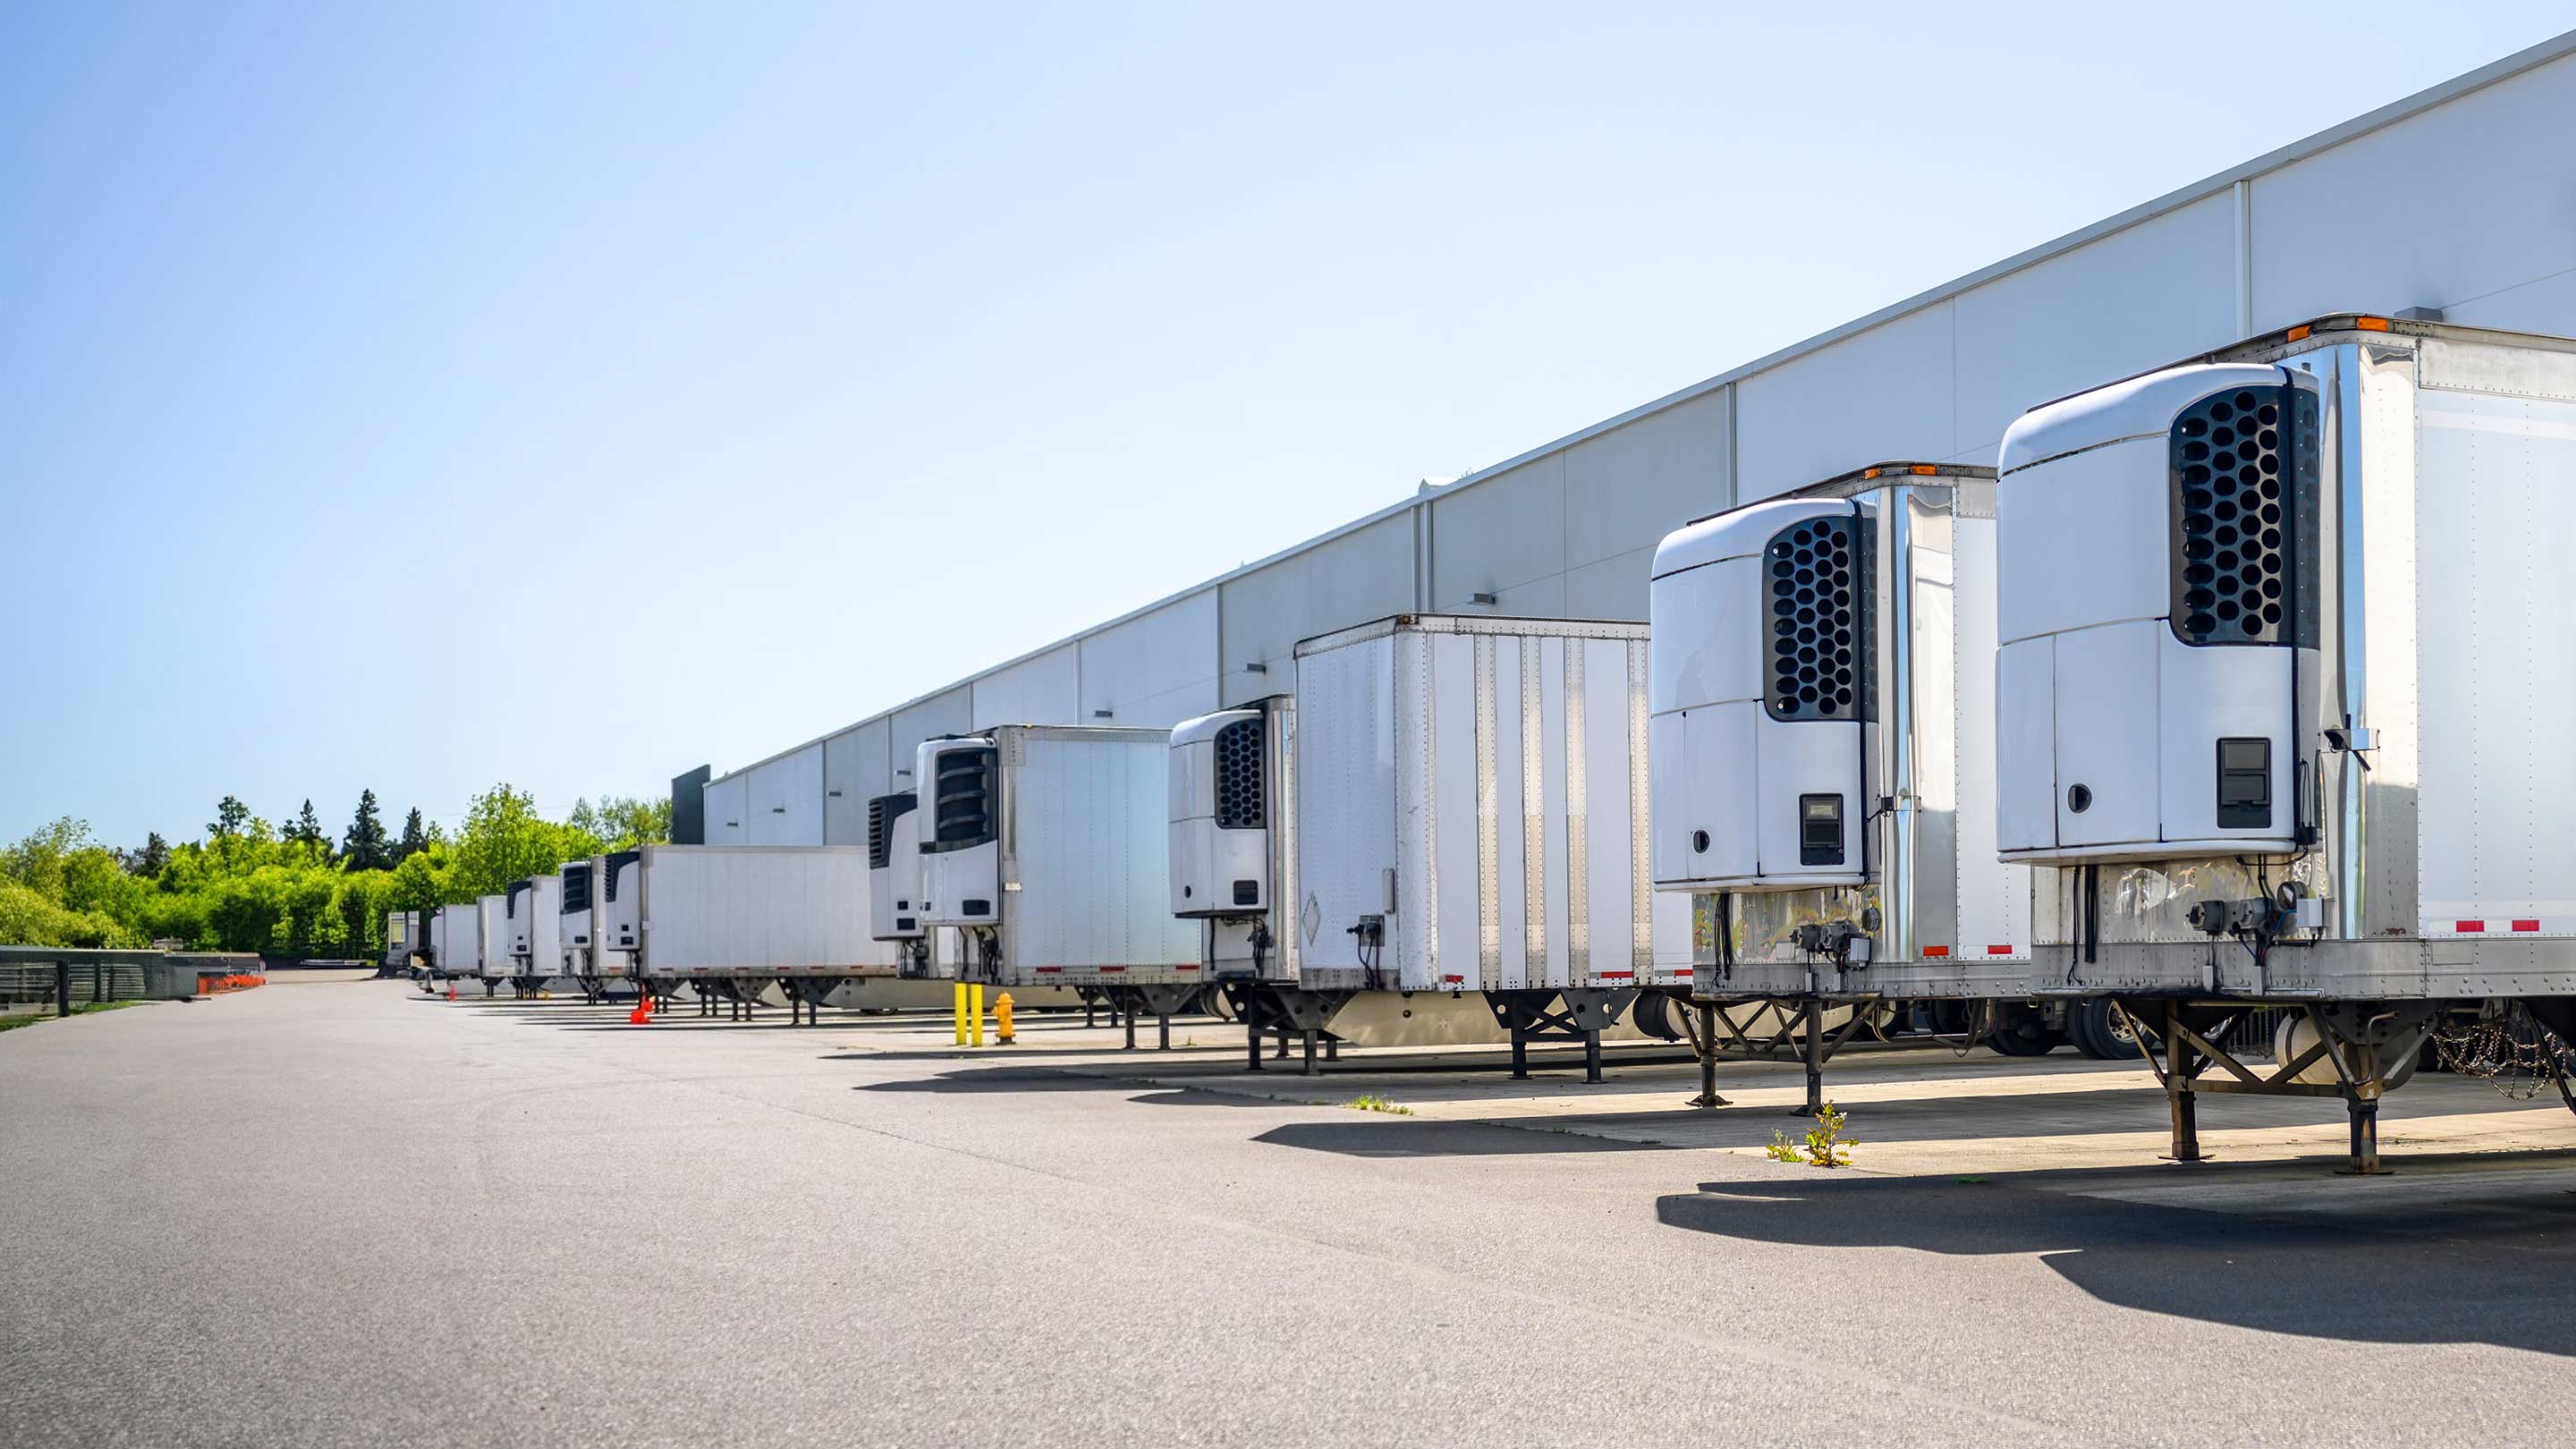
x=1238 y=776
x=576 y=889
x=883 y=812
x=616 y=863
x=1816 y=655
x=518 y=888
x=2244 y=508
x=962 y=809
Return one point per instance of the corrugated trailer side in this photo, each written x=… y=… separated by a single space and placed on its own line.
x=1472 y=809
x=771 y=911
x=1086 y=860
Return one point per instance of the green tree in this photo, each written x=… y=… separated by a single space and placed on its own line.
x=414 y=840
x=624 y=823
x=152 y=858
x=231 y=817
x=364 y=847
x=504 y=839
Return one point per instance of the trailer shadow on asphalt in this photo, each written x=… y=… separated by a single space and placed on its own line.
x=2464 y=1249
x=1412 y=1139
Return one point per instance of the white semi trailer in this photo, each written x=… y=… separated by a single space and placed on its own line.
x=577 y=930
x=455 y=943
x=536 y=914
x=732 y=920
x=1471 y=818
x=1821 y=680
x=2283 y=649
x=492 y=941
x=1044 y=850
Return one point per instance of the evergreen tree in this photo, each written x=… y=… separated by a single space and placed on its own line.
x=154 y=855
x=231 y=817
x=306 y=828
x=415 y=838
x=364 y=847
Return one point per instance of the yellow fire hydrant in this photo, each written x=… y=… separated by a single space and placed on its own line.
x=1002 y=1019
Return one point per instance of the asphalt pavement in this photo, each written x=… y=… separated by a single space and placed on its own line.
x=336 y=1212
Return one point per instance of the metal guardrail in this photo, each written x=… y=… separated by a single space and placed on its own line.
x=62 y=979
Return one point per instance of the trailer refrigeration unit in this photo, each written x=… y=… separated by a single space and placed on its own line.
x=1233 y=849
x=894 y=881
x=536 y=914
x=732 y=920
x=2283 y=649
x=1823 y=761
x=577 y=941
x=1045 y=849
x=402 y=942
x=1471 y=817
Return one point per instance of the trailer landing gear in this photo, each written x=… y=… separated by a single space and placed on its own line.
x=1282 y=1010
x=1578 y=1013
x=2366 y=1044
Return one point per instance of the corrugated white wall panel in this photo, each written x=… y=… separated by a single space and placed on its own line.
x=728 y=811
x=1170 y=650
x=1502 y=533
x=2448 y=206
x=1627 y=488
x=855 y=771
x=1041 y=690
x=2134 y=300
x=786 y=804
x=1876 y=395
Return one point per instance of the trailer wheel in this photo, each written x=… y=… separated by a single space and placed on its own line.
x=2021 y=1032
x=1652 y=1015
x=2102 y=1033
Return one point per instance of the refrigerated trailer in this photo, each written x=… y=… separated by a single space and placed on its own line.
x=732 y=920
x=1044 y=851
x=2282 y=656
x=1471 y=818
x=536 y=913
x=578 y=950
x=402 y=942
x=456 y=942
x=1822 y=750
x=492 y=940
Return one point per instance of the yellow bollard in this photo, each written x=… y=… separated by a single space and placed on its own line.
x=976 y=1019
x=1002 y=1020
x=960 y=1013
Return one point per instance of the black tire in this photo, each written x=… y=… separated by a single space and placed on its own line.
x=2021 y=1032
x=1652 y=1015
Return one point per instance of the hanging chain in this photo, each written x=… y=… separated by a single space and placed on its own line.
x=2509 y=1051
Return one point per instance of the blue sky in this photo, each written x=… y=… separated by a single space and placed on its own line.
x=361 y=367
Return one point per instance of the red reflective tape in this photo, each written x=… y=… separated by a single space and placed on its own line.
x=1111 y=970
x=1936 y=951
x=1681 y=971
x=1453 y=978
x=1185 y=968
x=2526 y=925
x=1049 y=970
x=2468 y=926
x=1615 y=975
x=1999 y=950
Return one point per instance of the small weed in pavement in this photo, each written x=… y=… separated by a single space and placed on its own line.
x=1371 y=1102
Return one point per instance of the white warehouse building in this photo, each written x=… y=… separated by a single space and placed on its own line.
x=2461 y=200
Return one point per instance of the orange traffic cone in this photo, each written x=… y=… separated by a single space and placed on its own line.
x=642 y=1015
x=451 y=991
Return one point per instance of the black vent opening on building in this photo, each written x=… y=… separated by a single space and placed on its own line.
x=616 y=863
x=962 y=800
x=2245 y=467
x=576 y=888
x=1819 y=627
x=1238 y=776
x=883 y=812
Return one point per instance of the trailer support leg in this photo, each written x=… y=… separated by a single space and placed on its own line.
x=1252 y=1028
x=1310 y=1051
x=1520 y=1055
x=2179 y=1096
x=1592 y=1058
x=1815 y=1056
x=1283 y=1040
x=2365 y=1135
x=1128 y=1012
x=1708 y=1096
x=1163 y=1031
x=1332 y=1048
